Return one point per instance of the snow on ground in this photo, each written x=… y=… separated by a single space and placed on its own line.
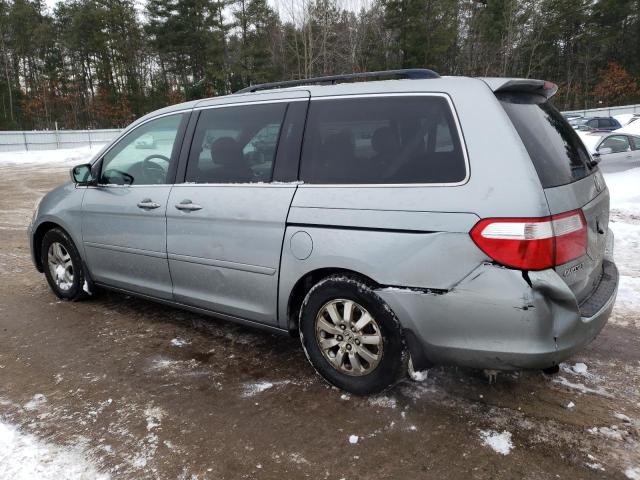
x=623 y=188
x=25 y=457
x=63 y=157
x=632 y=473
x=500 y=442
x=625 y=224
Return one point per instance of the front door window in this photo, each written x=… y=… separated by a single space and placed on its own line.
x=143 y=157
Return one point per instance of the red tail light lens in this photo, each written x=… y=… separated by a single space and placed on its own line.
x=533 y=243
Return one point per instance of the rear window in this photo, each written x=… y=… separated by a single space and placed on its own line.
x=383 y=140
x=557 y=152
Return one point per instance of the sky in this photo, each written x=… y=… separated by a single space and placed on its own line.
x=284 y=7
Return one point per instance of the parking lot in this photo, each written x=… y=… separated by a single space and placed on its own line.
x=124 y=388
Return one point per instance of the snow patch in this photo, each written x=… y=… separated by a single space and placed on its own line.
x=623 y=417
x=353 y=439
x=581 y=387
x=35 y=403
x=179 y=342
x=500 y=442
x=418 y=376
x=253 y=389
x=63 y=157
x=383 y=401
x=298 y=459
x=580 y=368
x=26 y=457
x=612 y=432
x=633 y=473
x=628 y=299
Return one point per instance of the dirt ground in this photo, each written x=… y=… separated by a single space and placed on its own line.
x=146 y=391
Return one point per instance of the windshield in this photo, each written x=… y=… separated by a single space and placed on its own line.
x=557 y=152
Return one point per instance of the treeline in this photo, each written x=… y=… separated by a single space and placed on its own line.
x=102 y=63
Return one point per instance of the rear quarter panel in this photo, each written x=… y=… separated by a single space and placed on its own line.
x=436 y=251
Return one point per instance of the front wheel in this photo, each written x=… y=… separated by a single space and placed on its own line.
x=351 y=337
x=62 y=265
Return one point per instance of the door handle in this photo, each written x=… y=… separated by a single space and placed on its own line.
x=148 y=204
x=188 y=205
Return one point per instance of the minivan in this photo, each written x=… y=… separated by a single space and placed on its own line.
x=393 y=220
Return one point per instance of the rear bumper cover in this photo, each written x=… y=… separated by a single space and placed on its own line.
x=498 y=318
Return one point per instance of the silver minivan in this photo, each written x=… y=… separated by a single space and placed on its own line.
x=393 y=220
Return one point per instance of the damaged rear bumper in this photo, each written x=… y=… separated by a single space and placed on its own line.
x=498 y=318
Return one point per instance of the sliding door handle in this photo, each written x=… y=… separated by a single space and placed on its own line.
x=188 y=206
x=148 y=204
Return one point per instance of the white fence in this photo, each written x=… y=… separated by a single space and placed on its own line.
x=19 y=141
x=606 y=111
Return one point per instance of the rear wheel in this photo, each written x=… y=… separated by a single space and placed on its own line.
x=62 y=265
x=351 y=337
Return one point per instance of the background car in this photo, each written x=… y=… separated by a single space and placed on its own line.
x=613 y=146
x=594 y=123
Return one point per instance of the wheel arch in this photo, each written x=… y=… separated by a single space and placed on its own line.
x=38 y=235
x=307 y=281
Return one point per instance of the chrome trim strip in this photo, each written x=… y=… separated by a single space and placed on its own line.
x=135 y=251
x=223 y=264
x=244 y=185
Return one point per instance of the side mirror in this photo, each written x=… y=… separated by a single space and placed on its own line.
x=81 y=175
x=605 y=150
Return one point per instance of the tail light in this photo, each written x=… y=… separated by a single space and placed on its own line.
x=533 y=243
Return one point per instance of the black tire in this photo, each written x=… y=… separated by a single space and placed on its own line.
x=392 y=366
x=76 y=290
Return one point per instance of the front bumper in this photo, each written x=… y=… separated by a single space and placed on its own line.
x=498 y=319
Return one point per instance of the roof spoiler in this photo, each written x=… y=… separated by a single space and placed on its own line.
x=524 y=85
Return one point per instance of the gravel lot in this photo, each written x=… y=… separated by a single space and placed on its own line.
x=123 y=388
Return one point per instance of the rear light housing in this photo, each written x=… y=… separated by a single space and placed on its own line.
x=533 y=243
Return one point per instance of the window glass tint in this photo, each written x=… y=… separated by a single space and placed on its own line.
x=605 y=123
x=381 y=141
x=617 y=144
x=635 y=143
x=144 y=155
x=235 y=144
x=557 y=152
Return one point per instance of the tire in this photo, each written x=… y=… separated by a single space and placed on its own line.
x=65 y=274
x=322 y=316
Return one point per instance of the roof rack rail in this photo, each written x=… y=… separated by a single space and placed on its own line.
x=410 y=73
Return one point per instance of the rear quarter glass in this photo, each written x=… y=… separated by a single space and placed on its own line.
x=557 y=153
x=382 y=140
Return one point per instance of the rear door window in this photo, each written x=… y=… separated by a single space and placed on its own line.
x=235 y=144
x=382 y=140
x=557 y=152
